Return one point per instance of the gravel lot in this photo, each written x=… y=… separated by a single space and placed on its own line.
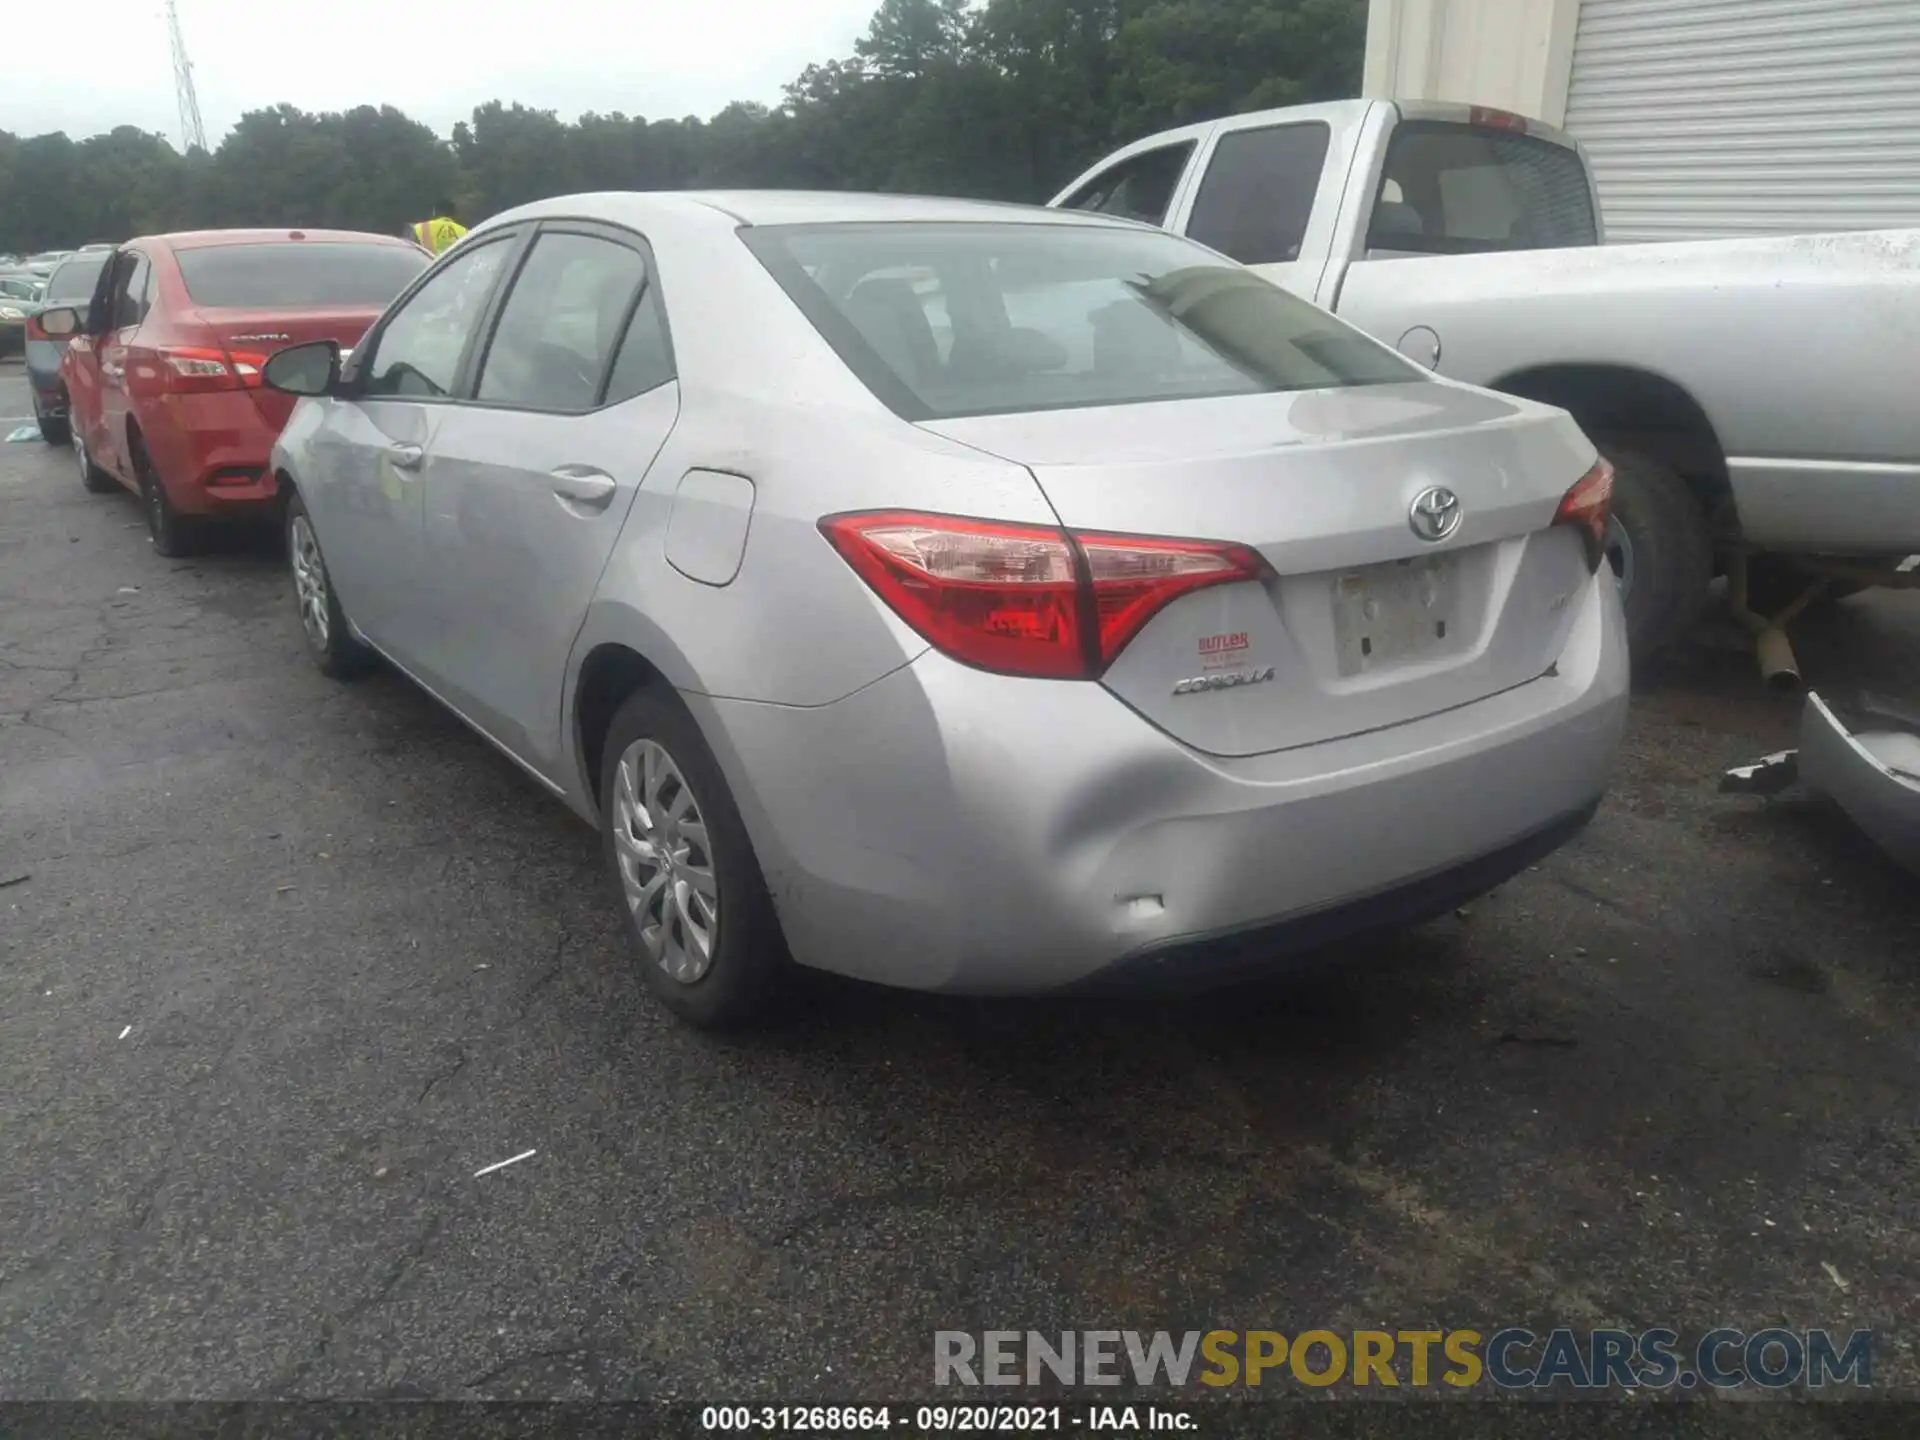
x=1659 y=1080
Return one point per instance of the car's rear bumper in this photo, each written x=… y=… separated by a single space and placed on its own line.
x=212 y=452
x=948 y=829
x=1872 y=773
x=43 y=374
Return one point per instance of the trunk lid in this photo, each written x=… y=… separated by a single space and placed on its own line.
x=1366 y=624
x=252 y=335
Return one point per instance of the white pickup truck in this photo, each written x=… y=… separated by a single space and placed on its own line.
x=1758 y=398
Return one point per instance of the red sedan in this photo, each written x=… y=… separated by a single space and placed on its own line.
x=163 y=375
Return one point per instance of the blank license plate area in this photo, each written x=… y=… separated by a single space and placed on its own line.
x=1385 y=615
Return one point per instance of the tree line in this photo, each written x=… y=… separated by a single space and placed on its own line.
x=1005 y=99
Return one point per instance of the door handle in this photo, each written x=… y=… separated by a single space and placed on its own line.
x=579 y=488
x=406 y=457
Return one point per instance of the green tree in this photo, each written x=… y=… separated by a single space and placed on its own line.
x=996 y=98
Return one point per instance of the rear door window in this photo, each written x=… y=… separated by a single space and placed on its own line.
x=130 y=290
x=1138 y=188
x=298 y=274
x=1451 y=189
x=1257 y=195
x=560 y=324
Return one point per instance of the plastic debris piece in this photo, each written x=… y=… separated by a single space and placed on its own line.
x=1834 y=1275
x=126 y=1032
x=502 y=1164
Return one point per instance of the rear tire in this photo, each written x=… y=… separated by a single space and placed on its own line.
x=54 y=429
x=1670 y=542
x=687 y=814
x=330 y=643
x=175 y=536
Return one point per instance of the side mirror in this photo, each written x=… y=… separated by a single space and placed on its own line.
x=61 y=322
x=309 y=369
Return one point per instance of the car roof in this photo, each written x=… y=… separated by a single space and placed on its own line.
x=733 y=208
x=198 y=239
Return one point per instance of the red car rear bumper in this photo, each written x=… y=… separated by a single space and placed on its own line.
x=211 y=452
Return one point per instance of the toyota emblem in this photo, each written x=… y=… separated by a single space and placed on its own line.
x=1435 y=513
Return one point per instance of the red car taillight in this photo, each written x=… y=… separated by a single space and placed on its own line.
x=1028 y=599
x=1586 y=506
x=196 y=369
x=34 y=332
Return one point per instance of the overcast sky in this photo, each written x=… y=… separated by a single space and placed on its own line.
x=436 y=61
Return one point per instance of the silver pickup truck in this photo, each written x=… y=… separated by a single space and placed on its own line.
x=1760 y=399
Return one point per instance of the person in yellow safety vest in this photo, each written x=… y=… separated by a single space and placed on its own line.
x=441 y=233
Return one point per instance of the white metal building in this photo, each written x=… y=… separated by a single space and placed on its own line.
x=1702 y=118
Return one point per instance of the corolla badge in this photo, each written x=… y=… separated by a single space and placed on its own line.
x=1229 y=680
x=1435 y=513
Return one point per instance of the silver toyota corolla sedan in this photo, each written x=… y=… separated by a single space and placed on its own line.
x=960 y=596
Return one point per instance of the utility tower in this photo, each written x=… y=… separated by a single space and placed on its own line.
x=193 y=134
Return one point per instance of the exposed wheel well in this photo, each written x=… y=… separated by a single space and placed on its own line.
x=1643 y=411
x=609 y=675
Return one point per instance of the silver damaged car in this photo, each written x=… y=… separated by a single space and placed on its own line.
x=959 y=596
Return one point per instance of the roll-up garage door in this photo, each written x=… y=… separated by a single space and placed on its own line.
x=1707 y=118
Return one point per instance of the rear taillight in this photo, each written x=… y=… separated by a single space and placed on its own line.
x=1028 y=599
x=196 y=369
x=34 y=332
x=1586 y=506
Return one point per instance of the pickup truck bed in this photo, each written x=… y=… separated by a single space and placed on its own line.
x=1756 y=395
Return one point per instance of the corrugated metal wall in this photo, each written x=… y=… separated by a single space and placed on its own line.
x=1707 y=118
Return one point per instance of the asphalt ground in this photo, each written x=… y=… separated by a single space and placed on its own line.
x=1665 y=1078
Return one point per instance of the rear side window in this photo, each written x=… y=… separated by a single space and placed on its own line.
x=1138 y=188
x=1452 y=189
x=1257 y=195
x=943 y=320
x=75 y=279
x=298 y=274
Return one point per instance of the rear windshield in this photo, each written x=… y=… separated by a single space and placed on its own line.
x=298 y=273
x=1451 y=189
x=944 y=320
x=74 y=279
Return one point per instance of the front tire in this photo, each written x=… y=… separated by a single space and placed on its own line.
x=1661 y=548
x=93 y=479
x=330 y=642
x=696 y=907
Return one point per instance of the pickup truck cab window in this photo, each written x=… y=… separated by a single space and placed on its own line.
x=1257 y=195
x=1454 y=190
x=1138 y=188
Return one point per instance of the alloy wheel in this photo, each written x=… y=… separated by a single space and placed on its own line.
x=310 y=583
x=666 y=870
x=80 y=454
